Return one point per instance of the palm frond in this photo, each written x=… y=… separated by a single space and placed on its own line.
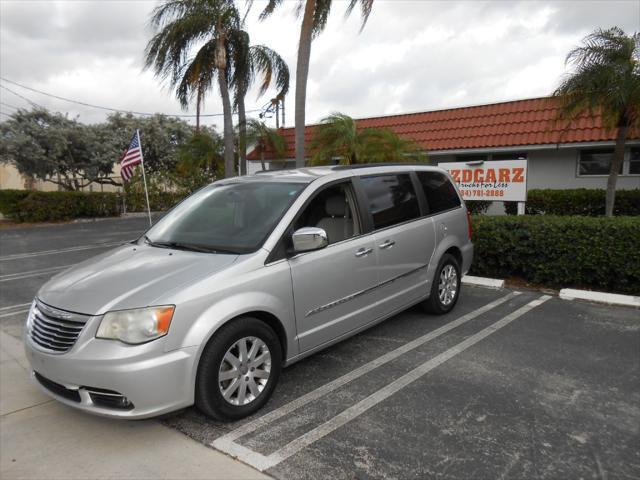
x=605 y=79
x=271 y=6
x=269 y=64
x=365 y=10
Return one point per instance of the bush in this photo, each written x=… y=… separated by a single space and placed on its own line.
x=159 y=201
x=478 y=206
x=599 y=253
x=579 y=201
x=28 y=206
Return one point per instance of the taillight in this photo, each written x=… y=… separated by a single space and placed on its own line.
x=470 y=225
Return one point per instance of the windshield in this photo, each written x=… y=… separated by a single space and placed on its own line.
x=225 y=218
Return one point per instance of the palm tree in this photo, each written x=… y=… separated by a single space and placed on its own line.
x=314 y=18
x=265 y=139
x=606 y=79
x=183 y=24
x=338 y=138
x=251 y=62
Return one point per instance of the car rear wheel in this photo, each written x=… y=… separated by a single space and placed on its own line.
x=238 y=370
x=445 y=289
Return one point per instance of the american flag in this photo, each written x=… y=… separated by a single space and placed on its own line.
x=131 y=157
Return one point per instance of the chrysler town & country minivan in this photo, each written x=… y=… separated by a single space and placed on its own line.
x=242 y=278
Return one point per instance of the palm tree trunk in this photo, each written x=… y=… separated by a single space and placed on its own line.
x=618 y=157
x=302 y=73
x=242 y=133
x=228 y=125
x=198 y=101
x=262 y=158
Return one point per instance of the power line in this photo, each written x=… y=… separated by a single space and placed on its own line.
x=9 y=105
x=102 y=107
x=20 y=96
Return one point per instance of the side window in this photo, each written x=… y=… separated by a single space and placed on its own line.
x=440 y=192
x=392 y=199
x=334 y=210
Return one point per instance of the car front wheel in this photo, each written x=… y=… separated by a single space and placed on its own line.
x=238 y=370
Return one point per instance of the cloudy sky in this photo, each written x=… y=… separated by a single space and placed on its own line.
x=413 y=55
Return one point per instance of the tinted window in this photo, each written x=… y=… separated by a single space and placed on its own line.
x=440 y=192
x=596 y=162
x=392 y=199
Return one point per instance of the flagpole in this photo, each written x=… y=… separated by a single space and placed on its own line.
x=144 y=178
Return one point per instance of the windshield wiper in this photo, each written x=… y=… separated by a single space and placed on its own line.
x=188 y=246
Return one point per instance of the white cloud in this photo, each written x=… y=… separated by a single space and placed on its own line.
x=411 y=56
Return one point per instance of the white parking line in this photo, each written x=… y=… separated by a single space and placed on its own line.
x=372 y=400
x=226 y=442
x=11 y=307
x=33 y=273
x=15 y=312
x=19 y=256
x=14 y=309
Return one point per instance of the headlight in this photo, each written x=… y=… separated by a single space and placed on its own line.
x=31 y=316
x=136 y=326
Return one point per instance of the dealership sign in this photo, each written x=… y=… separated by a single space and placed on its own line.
x=503 y=180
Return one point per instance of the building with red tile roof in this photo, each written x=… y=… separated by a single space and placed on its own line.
x=559 y=155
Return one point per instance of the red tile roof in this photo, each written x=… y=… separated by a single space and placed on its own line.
x=506 y=124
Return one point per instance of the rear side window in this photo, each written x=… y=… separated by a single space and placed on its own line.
x=440 y=192
x=392 y=199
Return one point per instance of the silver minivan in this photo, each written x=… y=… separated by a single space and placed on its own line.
x=242 y=278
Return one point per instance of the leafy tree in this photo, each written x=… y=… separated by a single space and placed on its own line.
x=265 y=140
x=606 y=79
x=182 y=25
x=200 y=160
x=161 y=137
x=51 y=147
x=314 y=18
x=338 y=138
x=251 y=63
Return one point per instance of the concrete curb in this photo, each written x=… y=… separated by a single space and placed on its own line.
x=601 y=297
x=482 y=281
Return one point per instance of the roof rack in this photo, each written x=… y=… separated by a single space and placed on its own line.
x=380 y=164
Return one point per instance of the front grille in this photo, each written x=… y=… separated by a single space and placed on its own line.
x=58 y=389
x=55 y=330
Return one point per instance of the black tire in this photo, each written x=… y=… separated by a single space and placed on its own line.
x=434 y=304
x=208 y=396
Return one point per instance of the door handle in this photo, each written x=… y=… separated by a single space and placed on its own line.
x=387 y=244
x=363 y=252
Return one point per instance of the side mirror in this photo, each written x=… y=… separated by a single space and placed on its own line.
x=309 y=238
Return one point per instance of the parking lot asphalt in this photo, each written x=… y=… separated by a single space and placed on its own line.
x=508 y=385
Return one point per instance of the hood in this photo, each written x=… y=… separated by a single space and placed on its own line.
x=131 y=276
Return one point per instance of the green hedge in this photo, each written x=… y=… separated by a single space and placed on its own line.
x=28 y=206
x=598 y=253
x=477 y=206
x=160 y=201
x=578 y=201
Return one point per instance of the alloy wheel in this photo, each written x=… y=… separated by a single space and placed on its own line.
x=448 y=286
x=244 y=371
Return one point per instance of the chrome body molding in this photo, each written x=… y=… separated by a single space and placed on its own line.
x=342 y=300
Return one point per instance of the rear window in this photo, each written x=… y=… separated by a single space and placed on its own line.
x=440 y=192
x=392 y=199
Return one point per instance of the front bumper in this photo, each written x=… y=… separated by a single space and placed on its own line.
x=154 y=381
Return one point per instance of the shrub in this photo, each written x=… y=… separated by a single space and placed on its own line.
x=579 y=201
x=478 y=206
x=600 y=253
x=28 y=206
x=159 y=201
